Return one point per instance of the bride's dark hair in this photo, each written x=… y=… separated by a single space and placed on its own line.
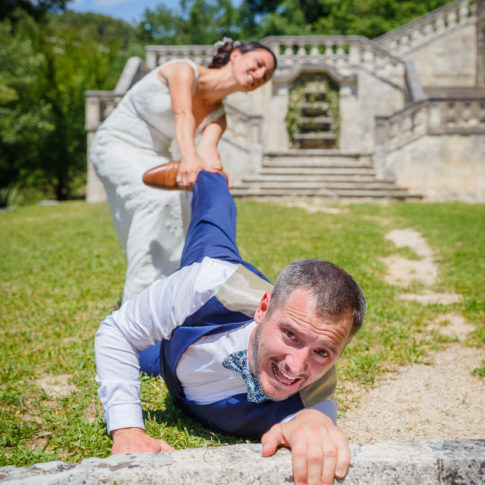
x=221 y=58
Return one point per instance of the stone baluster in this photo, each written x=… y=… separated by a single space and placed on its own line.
x=368 y=56
x=398 y=73
x=151 y=59
x=328 y=54
x=314 y=52
x=481 y=114
x=301 y=52
x=450 y=116
x=405 y=42
x=342 y=58
x=416 y=37
x=428 y=30
x=288 y=52
x=379 y=65
x=435 y=118
x=463 y=12
x=466 y=113
x=354 y=53
x=451 y=19
x=406 y=126
x=275 y=47
x=198 y=57
x=475 y=109
x=440 y=23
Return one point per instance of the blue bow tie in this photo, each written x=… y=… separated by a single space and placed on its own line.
x=238 y=361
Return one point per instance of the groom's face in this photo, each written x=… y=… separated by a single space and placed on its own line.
x=292 y=346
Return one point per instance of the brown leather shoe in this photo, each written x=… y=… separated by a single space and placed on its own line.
x=163 y=177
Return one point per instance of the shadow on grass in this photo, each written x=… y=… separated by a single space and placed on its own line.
x=173 y=417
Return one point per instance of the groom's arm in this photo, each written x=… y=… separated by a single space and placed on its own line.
x=138 y=324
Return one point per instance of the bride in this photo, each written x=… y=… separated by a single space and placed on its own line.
x=178 y=100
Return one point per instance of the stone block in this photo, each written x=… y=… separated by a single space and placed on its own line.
x=381 y=463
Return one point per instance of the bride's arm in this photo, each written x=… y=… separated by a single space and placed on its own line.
x=180 y=78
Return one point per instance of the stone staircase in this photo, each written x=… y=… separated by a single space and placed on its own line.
x=314 y=123
x=318 y=172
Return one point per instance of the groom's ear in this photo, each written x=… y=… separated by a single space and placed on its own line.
x=263 y=308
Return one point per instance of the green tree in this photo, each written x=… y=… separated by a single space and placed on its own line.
x=82 y=52
x=369 y=18
x=25 y=115
x=12 y=9
x=45 y=67
x=197 y=22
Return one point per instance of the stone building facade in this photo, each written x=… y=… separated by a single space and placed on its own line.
x=399 y=116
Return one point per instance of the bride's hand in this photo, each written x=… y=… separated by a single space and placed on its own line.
x=188 y=171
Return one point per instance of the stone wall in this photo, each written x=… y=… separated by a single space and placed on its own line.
x=432 y=462
x=435 y=147
x=441 y=168
x=448 y=60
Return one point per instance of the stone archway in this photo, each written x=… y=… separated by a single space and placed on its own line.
x=313 y=116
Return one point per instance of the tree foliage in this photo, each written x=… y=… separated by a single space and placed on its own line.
x=369 y=18
x=12 y=9
x=198 y=22
x=24 y=113
x=45 y=67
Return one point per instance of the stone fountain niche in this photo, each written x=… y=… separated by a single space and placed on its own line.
x=313 y=118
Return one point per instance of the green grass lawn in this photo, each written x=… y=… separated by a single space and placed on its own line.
x=62 y=271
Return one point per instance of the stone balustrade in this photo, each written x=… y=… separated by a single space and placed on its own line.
x=432 y=116
x=344 y=53
x=425 y=28
x=158 y=54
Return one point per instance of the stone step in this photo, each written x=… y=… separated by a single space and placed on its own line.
x=400 y=194
x=316 y=158
x=316 y=108
x=314 y=178
x=297 y=170
x=314 y=94
x=317 y=123
x=318 y=184
x=315 y=135
x=315 y=139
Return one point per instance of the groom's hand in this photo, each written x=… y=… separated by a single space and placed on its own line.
x=319 y=449
x=132 y=440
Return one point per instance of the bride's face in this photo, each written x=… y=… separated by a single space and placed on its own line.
x=252 y=69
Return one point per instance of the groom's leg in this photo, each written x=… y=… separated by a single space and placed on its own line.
x=212 y=230
x=212 y=233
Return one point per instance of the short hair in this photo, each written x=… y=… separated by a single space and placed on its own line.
x=335 y=292
x=221 y=58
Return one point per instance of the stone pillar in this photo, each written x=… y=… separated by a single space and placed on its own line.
x=94 y=187
x=350 y=135
x=276 y=134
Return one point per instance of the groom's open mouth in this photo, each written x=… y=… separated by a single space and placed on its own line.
x=284 y=378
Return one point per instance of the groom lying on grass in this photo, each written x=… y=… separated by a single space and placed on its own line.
x=236 y=354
